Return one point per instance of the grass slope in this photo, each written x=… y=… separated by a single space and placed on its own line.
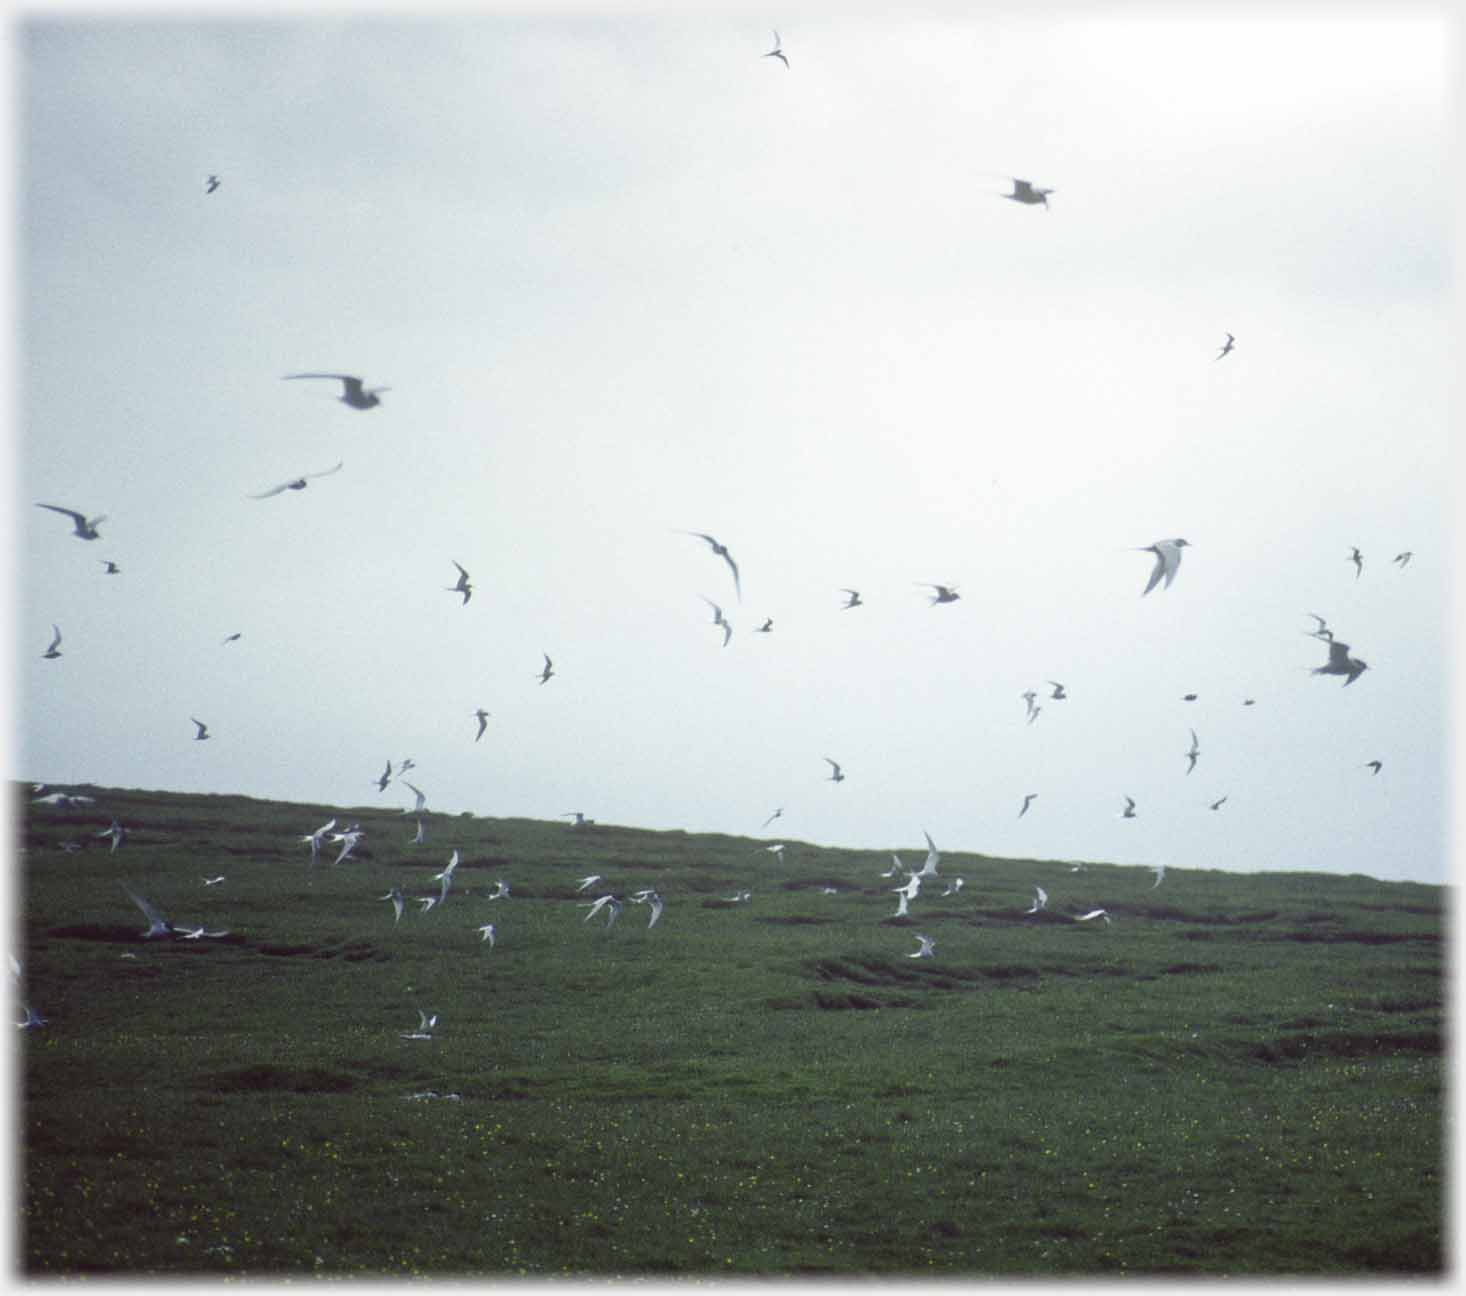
x=1242 y=1075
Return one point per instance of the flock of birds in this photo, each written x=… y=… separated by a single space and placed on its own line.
x=356 y=395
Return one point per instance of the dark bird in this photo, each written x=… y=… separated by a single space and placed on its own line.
x=777 y=52
x=1188 y=697
x=85 y=528
x=354 y=394
x=1217 y=804
x=767 y=626
x=722 y=551
x=1059 y=693
x=385 y=778
x=1226 y=347
x=1340 y=663
x=203 y=730
x=482 y=717
x=836 y=774
x=232 y=638
x=55 y=649
x=112 y=568
x=211 y=184
x=1403 y=558
x=719 y=619
x=1374 y=765
x=1357 y=559
x=777 y=813
x=548 y=670
x=463 y=587
x=1193 y=753
x=1027 y=801
x=1025 y=192
x=854 y=599
x=1129 y=811
x=299 y=483
x=944 y=593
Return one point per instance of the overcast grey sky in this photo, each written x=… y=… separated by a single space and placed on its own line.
x=625 y=275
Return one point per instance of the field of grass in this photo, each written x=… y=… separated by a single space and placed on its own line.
x=1241 y=1075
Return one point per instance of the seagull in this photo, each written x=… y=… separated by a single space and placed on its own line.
x=398 y=903
x=927 y=946
x=425 y=1026
x=1025 y=192
x=1059 y=693
x=1167 y=560
x=719 y=619
x=314 y=838
x=482 y=717
x=486 y=933
x=1403 y=558
x=933 y=858
x=607 y=902
x=1374 y=765
x=1027 y=801
x=203 y=730
x=463 y=587
x=501 y=890
x=1129 y=811
x=854 y=599
x=1094 y=913
x=1193 y=753
x=211 y=184
x=1357 y=559
x=112 y=568
x=1033 y=710
x=777 y=52
x=777 y=813
x=954 y=886
x=116 y=832
x=548 y=671
x=421 y=800
x=298 y=483
x=1226 y=347
x=213 y=881
x=1340 y=663
x=353 y=393
x=722 y=551
x=587 y=882
x=157 y=924
x=54 y=650
x=836 y=776
x=1217 y=804
x=944 y=593
x=651 y=898
x=766 y=628
x=1040 y=899
x=85 y=527
x=385 y=778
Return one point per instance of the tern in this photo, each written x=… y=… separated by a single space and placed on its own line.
x=548 y=670
x=500 y=891
x=314 y=838
x=61 y=798
x=427 y=902
x=738 y=897
x=1403 y=558
x=446 y=877
x=54 y=650
x=927 y=946
x=211 y=184
x=230 y=638
x=944 y=593
x=1040 y=899
x=407 y=764
x=651 y=898
x=298 y=483
x=486 y=933
x=836 y=774
x=777 y=813
x=348 y=842
x=933 y=857
x=1192 y=753
x=1323 y=632
x=854 y=599
x=1033 y=709
x=157 y=924
x=607 y=902
x=1093 y=913
x=722 y=551
x=198 y=933
x=1226 y=348
x=1374 y=765
x=32 y=1018
x=954 y=886
x=116 y=832
x=1129 y=811
x=463 y=587
x=1357 y=559
x=911 y=887
x=425 y=1026
x=112 y=568
x=1167 y=560
x=586 y=883
x=896 y=869
x=902 y=901
x=385 y=778
x=719 y=619
x=482 y=717
x=1024 y=192
x=777 y=52
x=776 y=849
x=421 y=835
x=353 y=393
x=1059 y=693
x=766 y=628
x=203 y=730
x=1160 y=873
x=398 y=902
x=213 y=881
x=85 y=528
x=1028 y=800
x=1217 y=804
x=421 y=800
x=1340 y=663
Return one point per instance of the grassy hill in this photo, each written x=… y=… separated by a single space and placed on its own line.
x=1241 y=1074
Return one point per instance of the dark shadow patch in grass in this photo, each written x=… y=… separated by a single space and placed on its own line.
x=1416 y=1251
x=264 y=1078
x=1388 y=1005
x=1181 y=969
x=1357 y=937
x=837 y=1003
x=98 y=932
x=798 y=920
x=1431 y=911
x=1292 y=1048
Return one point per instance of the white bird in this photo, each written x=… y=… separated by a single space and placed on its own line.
x=836 y=775
x=933 y=858
x=83 y=527
x=587 y=882
x=777 y=52
x=607 y=902
x=427 y=902
x=911 y=887
x=901 y=903
x=954 y=886
x=62 y=799
x=927 y=946
x=421 y=800
x=446 y=876
x=1167 y=561
x=486 y=933
x=896 y=869
x=116 y=832
x=463 y=587
x=1040 y=899
x=1094 y=913
x=653 y=899
x=1193 y=753
x=32 y=1018
x=776 y=849
x=213 y=881
x=421 y=835
x=1160 y=872
x=1025 y=192
x=348 y=842
x=398 y=902
x=501 y=890
x=425 y=1026
x=198 y=933
x=157 y=924
x=54 y=649
x=738 y=897
x=353 y=392
x=314 y=838
x=298 y=483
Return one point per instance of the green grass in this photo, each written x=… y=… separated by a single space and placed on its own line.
x=1241 y=1076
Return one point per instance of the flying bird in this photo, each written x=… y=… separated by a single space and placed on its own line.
x=1025 y=192
x=157 y=924
x=607 y=902
x=463 y=587
x=482 y=717
x=353 y=393
x=944 y=593
x=777 y=52
x=421 y=835
x=933 y=858
x=580 y=820
x=548 y=670
x=853 y=600
x=230 y=638
x=348 y=840
x=1340 y=663
x=722 y=551
x=1040 y=899
x=777 y=813
x=1217 y=804
x=54 y=650
x=1403 y=558
x=954 y=886
x=385 y=778
x=211 y=184
x=587 y=882
x=84 y=528
x=116 y=832
x=203 y=730
x=1226 y=347
x=903 y=900
x=1027 y=801
x=425 y=1026
x=112 y=568
x=486 y=933
x=1188 y=697
x=776 y=849
x=927 y=946
x=500 y=891
x=651 y=898
x=313 y=839
x=767 y=626
x=299 y=483
x=1357 y=559
x=421 y=799
x=1193 y=752
x=1375 y=765
x=1094 y=913
x=398 y=902
x=836 y=775
x=1059 y=693
x=1160 y=872
x=1129 y=811
x=213 y=881
x=1033 y=709
x=1167 y=560
x=1323 y=632
x=719 y=619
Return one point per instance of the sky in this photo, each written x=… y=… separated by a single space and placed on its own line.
x=627 y=277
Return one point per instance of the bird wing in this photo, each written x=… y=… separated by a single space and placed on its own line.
x=346 y=378
x=71 y=513
x=150 y=912
x=1156 y=572
x=284 y=486
x=340 y=463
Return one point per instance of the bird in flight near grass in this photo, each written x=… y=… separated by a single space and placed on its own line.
x=1094 y=913
x=83 y=527
x=927 y=947
x=353 y=392
x=313 y=839
x=1167 y=561
x=299 y=483
x=609 y=903
x=1160 y=873
x=425 y=1026
x=398 y=902
x=421 y=799
x=1040 y=899
x=486 y=933
x=157 y=924
x=116 y=832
